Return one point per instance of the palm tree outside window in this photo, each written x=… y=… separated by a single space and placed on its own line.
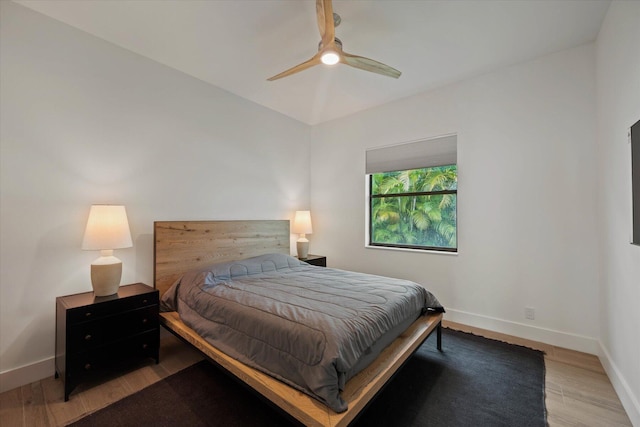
x=414 y=209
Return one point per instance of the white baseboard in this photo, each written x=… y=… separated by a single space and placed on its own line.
x=26 y=374
x=547 y=336
x=630 y=401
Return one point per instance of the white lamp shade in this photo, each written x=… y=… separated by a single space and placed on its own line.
x=302 y=223
x=107 y=228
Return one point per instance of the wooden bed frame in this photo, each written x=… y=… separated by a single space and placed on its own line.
x=180 y=246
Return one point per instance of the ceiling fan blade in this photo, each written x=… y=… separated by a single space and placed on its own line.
x=326 y=25
x=300 y=67
x=369 y=65
x=320 y=17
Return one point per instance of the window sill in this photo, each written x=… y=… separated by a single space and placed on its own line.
x=420 y=251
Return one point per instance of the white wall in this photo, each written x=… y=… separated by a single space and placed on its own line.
x=84 y=121
x=526 y=198
x=618 y=77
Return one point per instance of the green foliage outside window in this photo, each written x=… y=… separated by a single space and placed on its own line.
x=415 y=208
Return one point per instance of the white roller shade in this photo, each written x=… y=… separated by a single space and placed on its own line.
x=413 y=155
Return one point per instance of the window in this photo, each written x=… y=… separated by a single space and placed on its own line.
x=414 y=208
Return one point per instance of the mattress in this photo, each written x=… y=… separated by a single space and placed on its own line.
x=310 y=327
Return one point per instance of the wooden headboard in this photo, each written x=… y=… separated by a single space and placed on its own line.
x=181 y=246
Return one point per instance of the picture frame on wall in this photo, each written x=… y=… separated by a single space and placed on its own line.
x=634 y=140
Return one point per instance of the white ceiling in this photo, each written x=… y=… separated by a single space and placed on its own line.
x=237 y=44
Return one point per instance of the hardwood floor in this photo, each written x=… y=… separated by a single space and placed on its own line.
x=578 y=392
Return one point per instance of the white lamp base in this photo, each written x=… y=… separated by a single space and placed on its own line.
x=303 y=248
x=106 y=273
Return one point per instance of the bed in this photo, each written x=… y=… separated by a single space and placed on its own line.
x=183 y=247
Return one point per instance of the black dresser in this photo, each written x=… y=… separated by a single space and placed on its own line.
x=97 y=335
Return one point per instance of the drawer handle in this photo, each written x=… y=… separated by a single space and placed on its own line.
x=144 y=320
x=87 y=366
x=144 y=301
x=145 y=346
x=87 y=337
x=87 y=314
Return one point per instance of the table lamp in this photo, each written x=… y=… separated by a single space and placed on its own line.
x=107 y=229
x=302 y=226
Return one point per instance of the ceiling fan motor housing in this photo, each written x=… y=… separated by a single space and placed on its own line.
x=336 y=40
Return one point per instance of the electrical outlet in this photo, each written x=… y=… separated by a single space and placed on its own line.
x=530 y=313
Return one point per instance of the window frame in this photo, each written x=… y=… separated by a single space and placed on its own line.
x=371 y=197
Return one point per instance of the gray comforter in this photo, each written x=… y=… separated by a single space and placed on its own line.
x=311 y=327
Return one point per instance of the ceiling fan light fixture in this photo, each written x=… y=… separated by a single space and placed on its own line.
x=330 y=58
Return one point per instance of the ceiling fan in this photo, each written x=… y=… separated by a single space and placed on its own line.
x=330 y=48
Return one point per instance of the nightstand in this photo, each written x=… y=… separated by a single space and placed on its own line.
x=319 y=260
x=97 y=335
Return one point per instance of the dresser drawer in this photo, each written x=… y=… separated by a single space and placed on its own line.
x=103 y=358
x=102 y=331
x=103 y=309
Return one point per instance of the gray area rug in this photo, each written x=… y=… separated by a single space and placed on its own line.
x=474 y=381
